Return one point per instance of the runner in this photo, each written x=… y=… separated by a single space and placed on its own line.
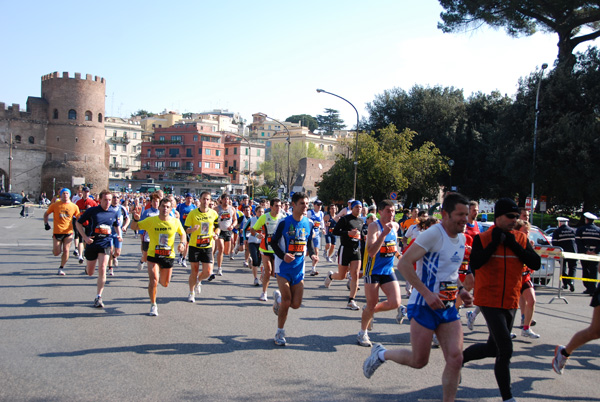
x=123 y=224
x=254 y=244
x=348 y=228
x=330 y=223
x=63 y=212
x=227 y=221
x=101 y=220
x=202 y=224
x=152 y=211
x=316 y=216
x=291 y=243
x=161 y=230
x=83 y=204
x=243 y=220
x=381 y=247
x=438 y=252
x=267 y=224
x=184 y=209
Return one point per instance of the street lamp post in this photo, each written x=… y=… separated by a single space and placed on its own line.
x=451 y=164
x=535 y=126
x=356 y=148
x=288 y=154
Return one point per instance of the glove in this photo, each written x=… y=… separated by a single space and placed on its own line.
x=47 y=226
x=511 y=243
x=497 y=235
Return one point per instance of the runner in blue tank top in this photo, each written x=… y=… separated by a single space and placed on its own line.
x=378 y=273
x=291 y=243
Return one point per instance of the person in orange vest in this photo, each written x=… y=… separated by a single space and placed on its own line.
x=497 y=260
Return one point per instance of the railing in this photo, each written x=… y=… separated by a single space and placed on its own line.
x=178 y=142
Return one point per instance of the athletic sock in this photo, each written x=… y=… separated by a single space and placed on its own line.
x=380 y=355
x=525 y=327
x=564 y=352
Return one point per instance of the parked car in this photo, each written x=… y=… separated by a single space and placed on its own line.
x=10 y=199
x=546 y=272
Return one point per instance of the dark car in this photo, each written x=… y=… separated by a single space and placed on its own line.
x=10 y=199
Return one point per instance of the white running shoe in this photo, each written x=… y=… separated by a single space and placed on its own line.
x=329 y=259
x=116 y=261
x=263 y=296
x=328 y=279
x=256 y=283
x=528 y=333
x=373 y=362
x=98 y=302
x=363 y=339
x=560 y=360
x=276 y=302
x=352 y=305
x=80 y=259
x=111 y=272
x=402 y=314
x=153 y=310
x=246 y=265
x=280 y=338
x=198 y=289
x=313 y=272
x=61 y=272
x=435 y=342
x=219 y=272
x=191 y=298
x=231 y=257
x=470 y=319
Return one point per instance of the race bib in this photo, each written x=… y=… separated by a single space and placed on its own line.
x=102 y=231
x=388 y=249
x=297 y=247
x=226 y=216
x=317 y=224
x=202 y=241
x=464 y=267
x=448 y=293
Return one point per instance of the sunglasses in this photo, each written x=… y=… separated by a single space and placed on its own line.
x=512 y=216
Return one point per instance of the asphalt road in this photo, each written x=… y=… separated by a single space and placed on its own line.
x=56 y=347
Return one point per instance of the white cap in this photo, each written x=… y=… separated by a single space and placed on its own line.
x=561 y=219
x=590 y=215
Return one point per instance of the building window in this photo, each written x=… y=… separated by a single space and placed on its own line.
x=114 y=133
x=199 y=151
x=195 y=138
x=188 y=152
x=99 y=117
x=226 y=163
x=55 y=114
x=262 y=134
x=159 y=164
x=246 y=165
x=207 y=151
x=114 y=147
x=217 y=166
x=200 y=164
x=135 y=136
x=207 y=165
x=330 y=148
x=124 y=148
x=88 y=116
x=17 y=139
x=321 y=147
x=218 y=152
x=176 y=138
x=173 y=152
x=161 y=138
x=235 y=151
x=258 y=152
x=247 y=150
x=148 y=153
x=31 y=140
x=174 y=164
x=226 y=151
x=72 y=114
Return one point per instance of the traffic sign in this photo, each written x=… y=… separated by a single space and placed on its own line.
x=393 y=195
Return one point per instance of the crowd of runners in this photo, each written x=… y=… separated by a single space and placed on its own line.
x=447 y=265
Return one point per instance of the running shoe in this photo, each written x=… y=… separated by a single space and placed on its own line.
x=219 y=271
x=363 y=339
x=402 y=315
x=153 y=310
x=98 y=302
x=183 y=263
x=61 y=272
x=470 y=319
x=280 y=338
x=76 y=254
x=191 y=298
x=111 y=272
x=80 y=259
x=435 y=342
x=373 y=361
x=116 y=261
x=560 y=360
x=329 y=259
x=179 y=260
x=328 y=279
x=263 y=296
x=352 y=305
x=231 y=257
x=256 y=283
x=325 y=253
x=198 y=289
x=246 y=264
x=348 y=283
x=513 y=335
x=277 y=303
x=528 y=333
x=211 y=277
x=314 y=272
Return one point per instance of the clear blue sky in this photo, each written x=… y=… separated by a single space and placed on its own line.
x=260 y=56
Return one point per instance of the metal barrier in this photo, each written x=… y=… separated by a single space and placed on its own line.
x=572 y=256
x=551 y=259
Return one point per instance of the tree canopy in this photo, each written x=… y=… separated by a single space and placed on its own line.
x=574 y=21
x=330 y=121
x=142 y=113
x=387 y=162
x=305 y=120
x=275 y=170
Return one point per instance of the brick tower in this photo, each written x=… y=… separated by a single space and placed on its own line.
x=75 y=145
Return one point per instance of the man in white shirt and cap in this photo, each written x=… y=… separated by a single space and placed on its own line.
x=588 y=242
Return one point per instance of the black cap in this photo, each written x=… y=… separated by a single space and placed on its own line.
x=505 y=206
